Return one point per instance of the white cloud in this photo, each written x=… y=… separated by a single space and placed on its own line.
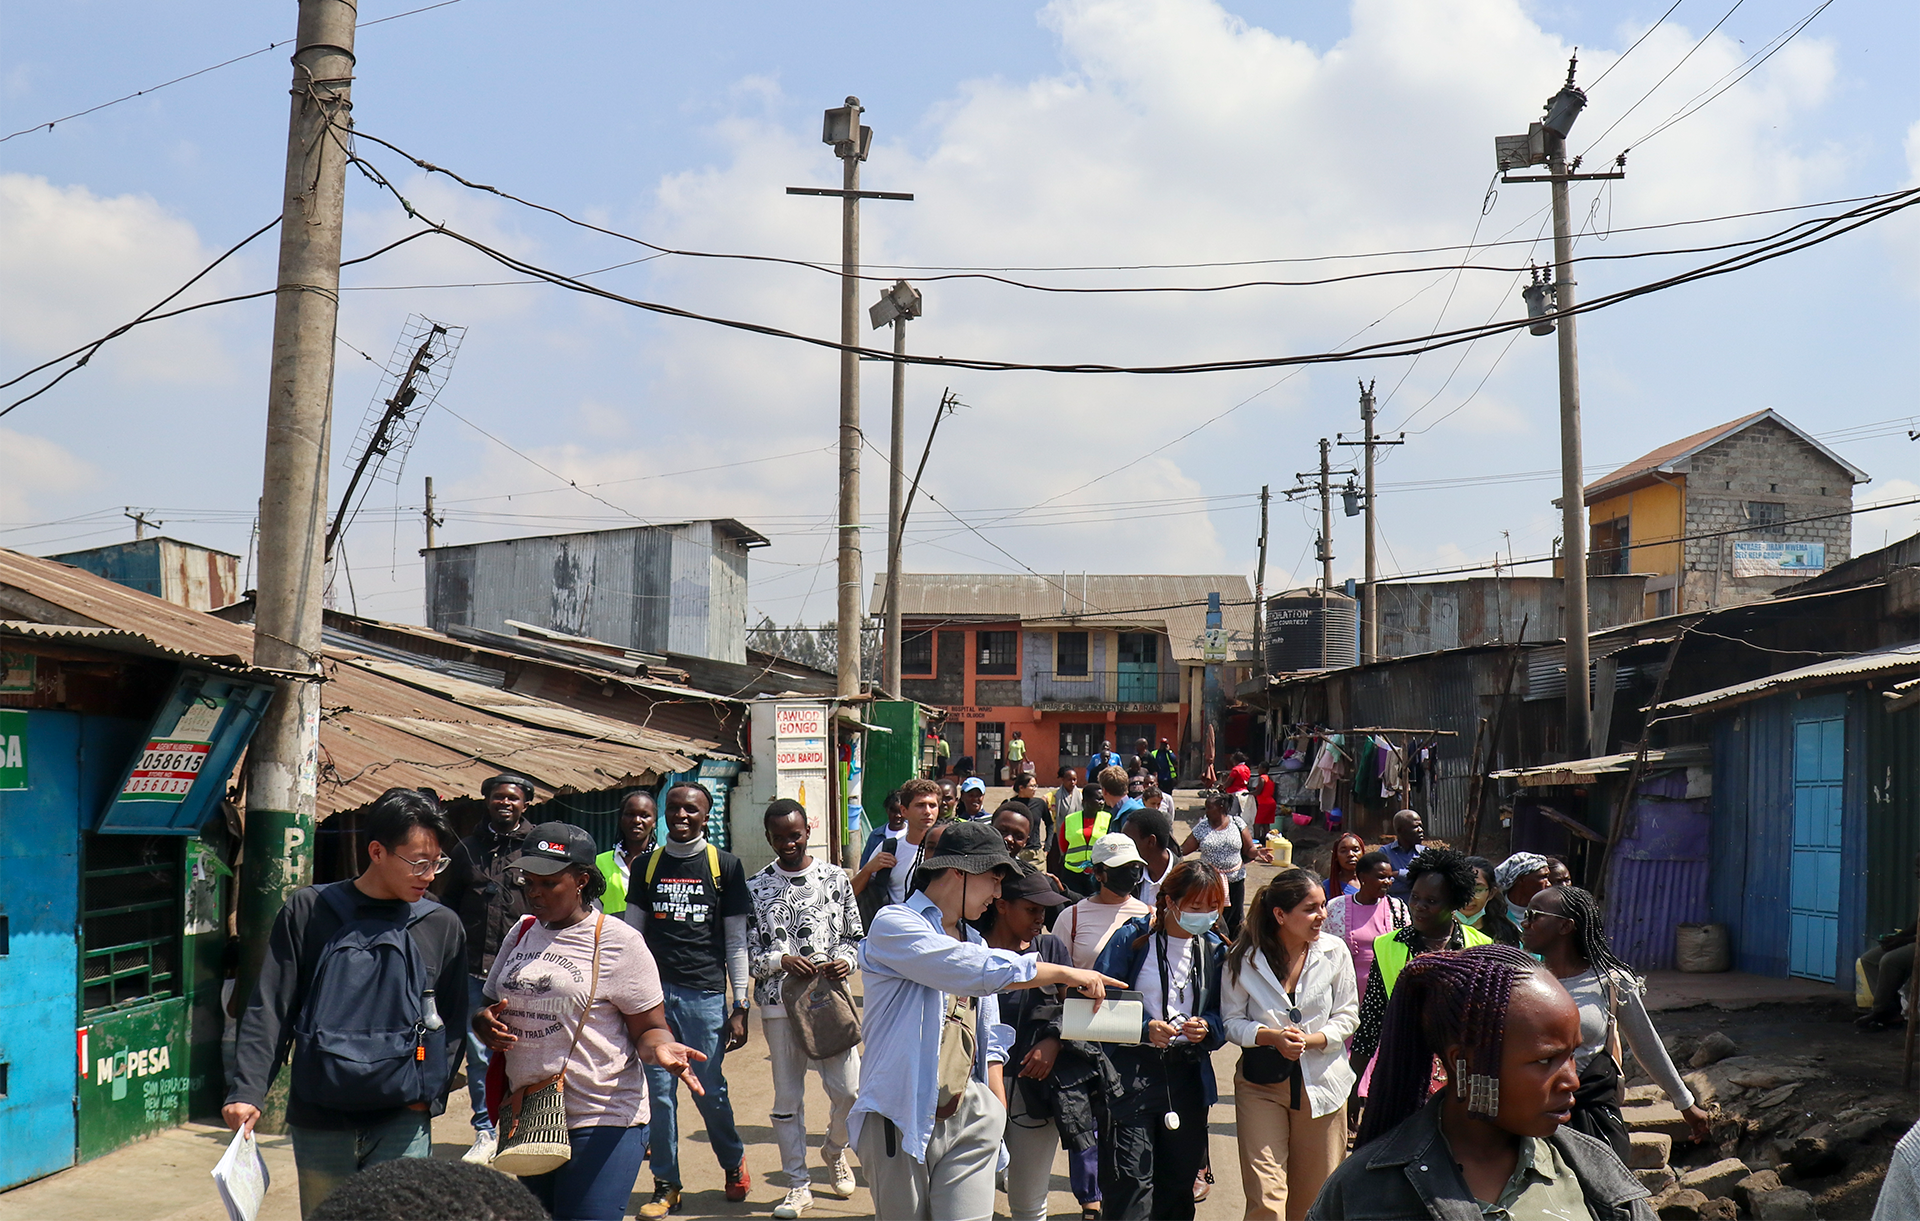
x=76 y=265
x=36 y=466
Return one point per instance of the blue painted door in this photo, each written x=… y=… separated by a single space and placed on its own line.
x=1813 y=894
x=39 y=971
x=1139 y=671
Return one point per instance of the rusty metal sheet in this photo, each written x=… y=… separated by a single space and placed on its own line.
x=93 y=601
x=565 y=764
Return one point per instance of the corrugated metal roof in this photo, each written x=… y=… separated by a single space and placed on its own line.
x=1178 y=604
x=1668 y=457
x=1579 y=771
x=94 y=601
x=1896 y=660
x=118 y=641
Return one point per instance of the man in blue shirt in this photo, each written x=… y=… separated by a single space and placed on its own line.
x=1113 y=790
x=1102 y=759
x=929 y=1145
x=1408 y=831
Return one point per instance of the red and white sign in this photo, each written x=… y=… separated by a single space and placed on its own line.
x=166 y=771
x=809 y=755
x=799 y=721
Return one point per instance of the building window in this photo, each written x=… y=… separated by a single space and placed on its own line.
x=1662 y=603
x=1608 y=554
x=999 y=653
x=1077 y=742
x=916 y=652
x=1139 y=649
x=1766 y=517
x=1070 y=654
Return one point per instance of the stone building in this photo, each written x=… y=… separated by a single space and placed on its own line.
x=1722 y=517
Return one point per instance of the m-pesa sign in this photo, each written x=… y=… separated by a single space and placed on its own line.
x=799 y=721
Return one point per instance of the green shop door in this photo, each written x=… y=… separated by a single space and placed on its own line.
x=39 y=902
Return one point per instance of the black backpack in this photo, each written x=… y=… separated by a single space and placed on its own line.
x=368 y=1036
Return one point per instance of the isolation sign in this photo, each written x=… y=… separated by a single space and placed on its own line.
x=169 y=765
x=13 y=750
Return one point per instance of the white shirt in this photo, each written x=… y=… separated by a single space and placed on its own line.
x=1179 y=979
x=905 y=856
x=1150 y=887
x=1328 y=1001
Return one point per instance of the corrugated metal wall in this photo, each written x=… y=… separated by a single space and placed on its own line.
x=1660 y=872
x=1893 y=814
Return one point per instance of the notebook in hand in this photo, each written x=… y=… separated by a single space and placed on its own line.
x=1118 y=1020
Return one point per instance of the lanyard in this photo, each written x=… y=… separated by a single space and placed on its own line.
x=1166 y=992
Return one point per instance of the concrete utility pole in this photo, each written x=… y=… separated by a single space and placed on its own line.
x=851 y=140
x=1326 y=526
x=896 y=306
x=1370 y=623
x=432 y=521
x=1546 y=143
x=140 y=523
x=283 y=757
x=1260 y=592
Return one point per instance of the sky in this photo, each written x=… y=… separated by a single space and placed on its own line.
x=1086 y=144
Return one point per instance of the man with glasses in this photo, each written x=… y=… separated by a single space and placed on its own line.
x=476 y=888
x=317 y=970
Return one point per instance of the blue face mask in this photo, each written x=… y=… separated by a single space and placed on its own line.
x=1197 y=923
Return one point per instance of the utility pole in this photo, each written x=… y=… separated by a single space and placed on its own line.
x=896 y=306
x=432 y=521
x=851 y=140
x=140 y=523
x=1546 y=143
x=1260 y=592
x=283 y=756
x=1370 y=623
x=1326 y=528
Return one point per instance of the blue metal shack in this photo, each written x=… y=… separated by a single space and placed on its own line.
x=185 y=574
x=1816 y=810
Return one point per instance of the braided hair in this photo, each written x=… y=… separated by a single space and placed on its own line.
x=1589 y=934
x=423 y=1189
x=1442 y=999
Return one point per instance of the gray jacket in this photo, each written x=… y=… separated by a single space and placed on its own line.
x=1366 y=1187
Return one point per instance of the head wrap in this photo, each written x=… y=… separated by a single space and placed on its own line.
x=1517 y=865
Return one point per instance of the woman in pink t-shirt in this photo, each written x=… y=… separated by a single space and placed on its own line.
x=1356 y=919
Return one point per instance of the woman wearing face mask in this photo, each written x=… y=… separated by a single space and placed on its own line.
x=1116 y=865
x=1487 y=911
x=1153 y=1139
x=1290 y=1000
x=1492 y=1141
x=1222 y=840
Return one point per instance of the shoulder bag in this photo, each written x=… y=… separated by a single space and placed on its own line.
x=825 y=1023
x=879 y=890
x=533 y=1119
x=958 y=1047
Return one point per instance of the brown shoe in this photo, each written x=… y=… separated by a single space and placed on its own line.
x=1202 y=1184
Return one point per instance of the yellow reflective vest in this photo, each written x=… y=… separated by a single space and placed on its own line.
x=1078 y=834
x=1390 y=954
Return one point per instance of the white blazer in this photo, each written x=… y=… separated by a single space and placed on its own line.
x=1329 y=1001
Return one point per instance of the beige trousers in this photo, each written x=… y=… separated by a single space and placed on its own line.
x=1285 y=1155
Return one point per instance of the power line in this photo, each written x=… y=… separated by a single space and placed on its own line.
x=1636 y=46
x=1766 y=53
x=1663 y=80
x=51 y=123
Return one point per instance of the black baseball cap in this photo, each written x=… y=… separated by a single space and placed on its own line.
x=1033 y=886
x=553 y=846
x=520 y=782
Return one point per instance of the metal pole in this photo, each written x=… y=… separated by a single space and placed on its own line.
x=1260 y=592
x=1370 y=636
x=282 y=758
x=432 y=521
x=1326 y=529
x=849 y=567
x=896 y=497
x=1573 y=528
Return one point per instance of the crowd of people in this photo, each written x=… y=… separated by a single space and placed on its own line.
x=1420 y=1033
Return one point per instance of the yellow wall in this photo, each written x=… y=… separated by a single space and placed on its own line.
x=1651 y=512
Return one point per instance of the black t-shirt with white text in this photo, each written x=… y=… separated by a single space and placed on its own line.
x=684 y=920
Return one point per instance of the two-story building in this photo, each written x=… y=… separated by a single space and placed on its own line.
x=1725 y=516
x=1065 y=662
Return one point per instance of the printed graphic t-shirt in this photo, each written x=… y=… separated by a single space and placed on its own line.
x=545 y=977
x=685 y=921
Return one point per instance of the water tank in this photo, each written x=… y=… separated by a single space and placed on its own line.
x=1308 y=630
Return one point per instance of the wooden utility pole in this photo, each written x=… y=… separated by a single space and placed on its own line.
x=282 y=759
x=1370 y=623
x=851 y=141
x=1260 y=591
x=1326 y=527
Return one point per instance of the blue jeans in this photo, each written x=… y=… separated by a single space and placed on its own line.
x=324 y=1158
x=596 y=1182
x=477 y=1058
x=697 y=1019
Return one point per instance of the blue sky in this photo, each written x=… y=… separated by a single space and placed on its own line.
x=1086 y=132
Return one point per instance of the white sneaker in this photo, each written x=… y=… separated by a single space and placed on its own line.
x=799 y=1200
x=482 y=1151
x=843 y=1183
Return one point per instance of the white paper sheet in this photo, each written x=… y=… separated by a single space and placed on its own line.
x=241 y=1176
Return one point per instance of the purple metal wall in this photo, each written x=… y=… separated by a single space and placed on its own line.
x=1660 y=873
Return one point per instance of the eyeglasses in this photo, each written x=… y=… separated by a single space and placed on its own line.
x=1480 y=890
x=425 y=869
